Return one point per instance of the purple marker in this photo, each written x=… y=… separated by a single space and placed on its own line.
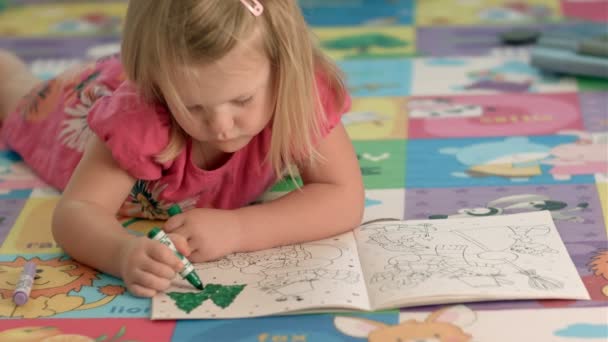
x=24 y=286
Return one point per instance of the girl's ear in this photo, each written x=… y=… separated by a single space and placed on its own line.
x=357 y=327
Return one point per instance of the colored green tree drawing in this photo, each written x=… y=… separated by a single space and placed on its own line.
x=364 y=42
x=220 y=295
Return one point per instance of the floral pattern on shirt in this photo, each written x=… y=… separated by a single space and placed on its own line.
x=37 y=104
x=75 y=131
x=144 y=201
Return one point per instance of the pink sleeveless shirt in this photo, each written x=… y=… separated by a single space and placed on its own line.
x=52 y=124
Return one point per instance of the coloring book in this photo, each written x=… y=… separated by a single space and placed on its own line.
x=386 y=264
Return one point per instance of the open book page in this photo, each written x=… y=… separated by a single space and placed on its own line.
x=423 y=262
x=319 y=275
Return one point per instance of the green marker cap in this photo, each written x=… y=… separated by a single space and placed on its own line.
x=194 y=280
x=174 y=210
x=153 y=232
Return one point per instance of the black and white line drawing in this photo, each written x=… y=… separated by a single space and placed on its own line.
x=478 y=257
x=289 y=272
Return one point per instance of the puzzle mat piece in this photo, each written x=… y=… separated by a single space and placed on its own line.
x=15 y=174
x=602 y=190
x=595 y=10
x=501 y=161
x=386 y=77
x=375 y=118
x=367 y=43
x=576 y=324
x=48 y=57
x=443 y=41
x=38 y=50
x=492 y=115
x=591 y=84
x=66 y=289
x=384 y=204
x=357 y=12
x=456 y=322
x=480 y=12
x=296 y=328
x=12 y=194
x=31 y=231
x=61 y=19
x=382 y=164
x=484 y=75
x=106 y=329
x=594 y=107
x=379 y=204
x=576 y=208
x=9 y=211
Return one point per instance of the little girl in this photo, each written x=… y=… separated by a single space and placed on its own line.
x=208 y=104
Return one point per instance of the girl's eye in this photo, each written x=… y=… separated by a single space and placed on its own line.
x=195 y=109
x=242 y=102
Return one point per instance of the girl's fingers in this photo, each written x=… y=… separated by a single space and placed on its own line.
x=181 y=243
x=159 y=269
x=174 y=222
x=141 y=291
x=197 y=256
x=164 y=255
x=150 y=281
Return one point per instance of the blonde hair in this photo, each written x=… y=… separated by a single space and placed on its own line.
x=158 y=35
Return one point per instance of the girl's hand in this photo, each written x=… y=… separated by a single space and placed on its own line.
x=211 y=233
x=147 y=266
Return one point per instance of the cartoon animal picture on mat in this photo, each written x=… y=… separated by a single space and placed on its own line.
x=521 y=203
x=516 y=158
x=56 y=288
x=587 y=155
x=488 y=115
x=442 y=108
x=357 y=118
x=519 y=159
x=512 y=76
x=599 y=266
x=515 y=11
x=444 y=325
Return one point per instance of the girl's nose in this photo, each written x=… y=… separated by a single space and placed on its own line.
x=220 y=125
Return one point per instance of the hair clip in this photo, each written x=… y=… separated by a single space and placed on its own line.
x=254 y=6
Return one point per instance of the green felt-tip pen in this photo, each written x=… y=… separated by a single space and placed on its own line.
x=187 y=272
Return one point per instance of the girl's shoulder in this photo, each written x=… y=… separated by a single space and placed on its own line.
x=334 y=99
x=134 y=130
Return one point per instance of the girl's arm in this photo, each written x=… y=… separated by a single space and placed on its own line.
x=84 y=222
x=330 y=202
x=85 y=226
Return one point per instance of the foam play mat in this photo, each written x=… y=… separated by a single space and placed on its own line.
x=448 y=121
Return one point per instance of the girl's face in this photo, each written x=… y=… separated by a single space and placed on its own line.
x=228 y=101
